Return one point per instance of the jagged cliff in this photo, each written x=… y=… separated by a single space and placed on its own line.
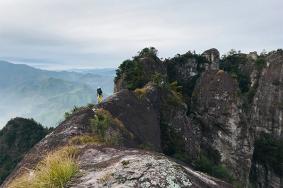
x=222 y=116
x=230 y=103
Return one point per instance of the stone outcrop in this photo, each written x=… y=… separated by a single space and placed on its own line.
x=217 y=111
x=227 y=111
x=105 y=166
x=267 y=113
x=140 y=118
x=111 y=167
x=213 y=56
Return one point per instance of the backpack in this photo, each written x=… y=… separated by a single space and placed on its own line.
x=99 y=91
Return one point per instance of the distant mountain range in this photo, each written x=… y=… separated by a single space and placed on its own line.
x=46 y=95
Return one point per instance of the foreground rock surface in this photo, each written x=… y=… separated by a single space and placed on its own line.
x=109 y=167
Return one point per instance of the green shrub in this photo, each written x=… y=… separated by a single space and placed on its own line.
x=269 y=151
x=232 y=64
x=90 y=105
x=188 y=85
x=133 y=72
x=85 y=139
x=172 y=142
x=260 y=63
x=16 y=139
x=108 y=129
x=174 y=97
x=159 y=79
x=205 y=164
x=148 y=52
x=101 y=122
x=75 y=109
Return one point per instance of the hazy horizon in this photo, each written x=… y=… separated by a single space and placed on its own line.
x=63 y=34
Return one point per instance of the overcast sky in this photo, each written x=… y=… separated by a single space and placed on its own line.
x=65 y=34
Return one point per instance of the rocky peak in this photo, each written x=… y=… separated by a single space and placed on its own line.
x=213 y=56
x=253 y=55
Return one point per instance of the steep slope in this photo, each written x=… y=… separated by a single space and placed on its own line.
x=266 y=118
x=102 y=164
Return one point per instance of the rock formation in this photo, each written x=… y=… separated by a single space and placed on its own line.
x=213 y=56
x=230 y=102
x=102 y=165
x=217 y=115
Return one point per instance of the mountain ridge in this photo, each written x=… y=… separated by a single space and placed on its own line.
x=22 y=85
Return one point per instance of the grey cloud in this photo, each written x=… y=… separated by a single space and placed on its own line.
x=95 y=33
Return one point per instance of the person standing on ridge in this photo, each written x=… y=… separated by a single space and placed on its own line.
x=99 y=94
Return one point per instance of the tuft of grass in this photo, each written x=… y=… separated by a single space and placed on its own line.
x=90 y=105
x=176 y=97
x=220 y=72
x=85 y=139
x=74 y=110
x=108 y=128
x=103 y=124
x=140 y=92
x=55 y=170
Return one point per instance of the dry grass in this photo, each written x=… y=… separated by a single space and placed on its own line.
x=85 y=139
x=140 y=92
x=220 y=72
x=54 y=171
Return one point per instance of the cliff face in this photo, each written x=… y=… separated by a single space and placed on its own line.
x=266 y=117
x=217 y=111
x=228 y=104
x=268 y=101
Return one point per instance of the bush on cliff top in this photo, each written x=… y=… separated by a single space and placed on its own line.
x=232 y=64
x=132 y=70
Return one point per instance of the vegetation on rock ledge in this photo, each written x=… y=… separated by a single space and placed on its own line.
x=55 y=170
